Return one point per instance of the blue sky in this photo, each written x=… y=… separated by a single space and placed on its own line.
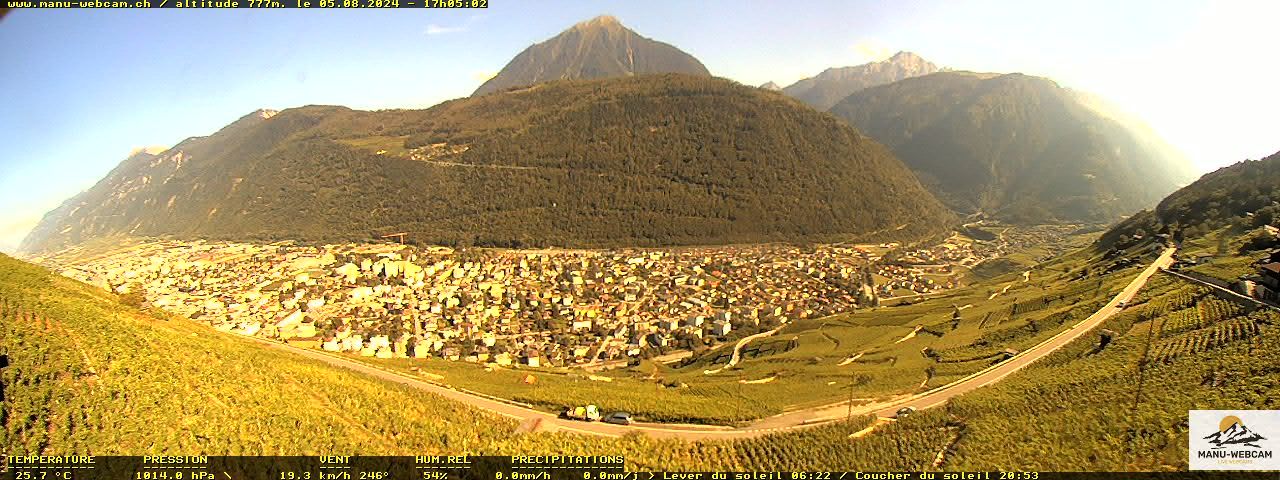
x=85 y=87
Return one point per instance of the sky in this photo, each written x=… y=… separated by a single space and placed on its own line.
x=84 y=88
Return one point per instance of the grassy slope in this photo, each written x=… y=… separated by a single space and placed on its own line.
x=1076 y=409
x=92 y=376
x=89 y=375
x=808 y=371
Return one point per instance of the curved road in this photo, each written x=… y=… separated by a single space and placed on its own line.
x=737 y=349
x=778 y=423
x=997 y=372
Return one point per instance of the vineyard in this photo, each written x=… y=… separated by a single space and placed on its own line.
x=1205 y=339
x=1227 y=267
x=1180 y=321
x=654 y=402
x=90 y=375
x=1073 y=294
x=1084 y=408
x=1182 y=296
x=1189 y=319
x=1213 y=310
x=1014 y=336
x=553 y=389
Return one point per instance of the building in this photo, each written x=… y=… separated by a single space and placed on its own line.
x=1269 y=274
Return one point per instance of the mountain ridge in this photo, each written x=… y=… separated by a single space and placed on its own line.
x=1015 y=146
x=635 y=161
x=824 y=90
x=1246 y=193
x=600 y=47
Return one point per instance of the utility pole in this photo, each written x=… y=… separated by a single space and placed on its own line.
x=4 y=362
x=1137 y=394
x=741 y=399
x=1142 y=362
x=849 y=415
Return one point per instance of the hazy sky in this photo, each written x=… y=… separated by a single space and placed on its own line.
x=84 y=87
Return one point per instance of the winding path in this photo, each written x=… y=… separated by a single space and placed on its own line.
x=737 y=349
x=779 y=423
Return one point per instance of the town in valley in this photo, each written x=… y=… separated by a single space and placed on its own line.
x=551 y=307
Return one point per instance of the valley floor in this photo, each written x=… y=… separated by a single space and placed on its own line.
x=636 y=330
x=89 y=375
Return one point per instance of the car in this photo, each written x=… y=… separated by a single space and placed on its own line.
x=1122 y=304
x=618 y=418
x=588 y=413
x=904 y=411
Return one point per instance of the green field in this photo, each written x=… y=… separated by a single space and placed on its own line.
x=822 y=361
x=864 y=354
x=555 y=388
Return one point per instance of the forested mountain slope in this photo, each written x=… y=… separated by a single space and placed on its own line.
x=1247 y=193
x=1015 y=146
x=649 y=160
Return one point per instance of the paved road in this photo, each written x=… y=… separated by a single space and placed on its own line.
x=941 y=395
x=672 y=357
x=787 y=421
x=1003 y=369
x=737 y=349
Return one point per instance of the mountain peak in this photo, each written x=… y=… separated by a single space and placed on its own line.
x=597 y=48
x=252 y=118
x=603 y=21
x=834 y=84
x=942 y=126
x=149 y=150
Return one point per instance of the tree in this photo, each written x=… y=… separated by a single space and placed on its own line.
x=133 y=297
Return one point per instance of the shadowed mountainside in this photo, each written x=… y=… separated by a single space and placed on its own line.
x=827 y=88
x=1015 y=146
x=651 y=160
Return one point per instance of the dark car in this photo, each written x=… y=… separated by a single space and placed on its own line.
x=618 y=418
x=904 y=411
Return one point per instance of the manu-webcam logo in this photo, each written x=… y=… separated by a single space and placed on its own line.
x=1234 y=440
